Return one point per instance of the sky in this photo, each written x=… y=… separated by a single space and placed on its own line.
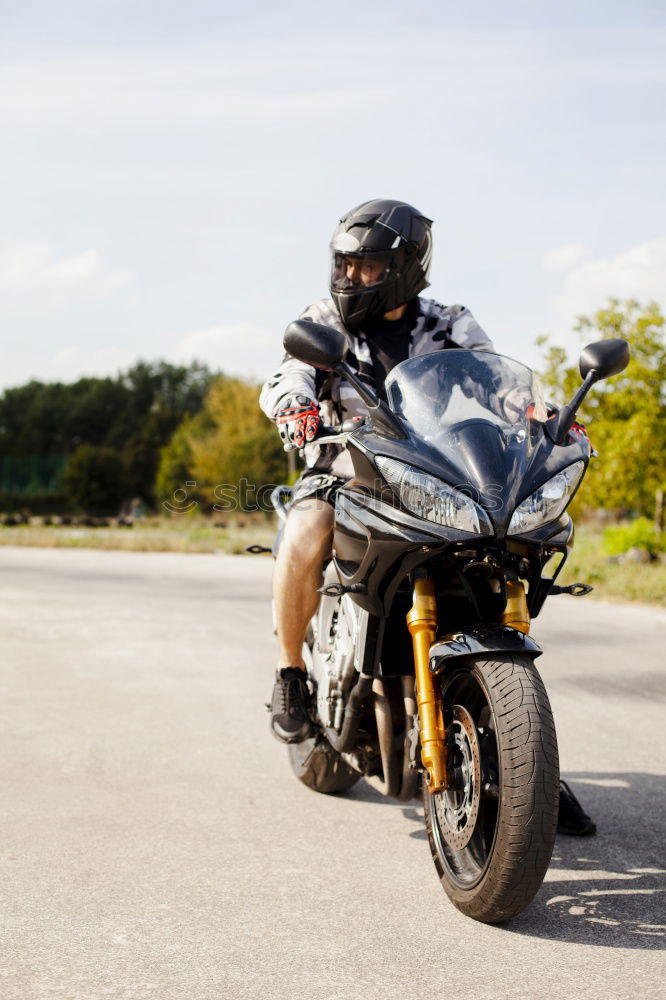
x=172 y=173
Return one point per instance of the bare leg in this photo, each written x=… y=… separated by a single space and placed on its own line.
x=305 y=545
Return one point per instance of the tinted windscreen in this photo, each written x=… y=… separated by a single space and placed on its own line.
x=438 y=392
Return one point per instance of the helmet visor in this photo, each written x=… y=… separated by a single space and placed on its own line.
x=355 y=272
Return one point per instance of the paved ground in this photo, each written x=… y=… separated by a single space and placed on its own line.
x=155 y=844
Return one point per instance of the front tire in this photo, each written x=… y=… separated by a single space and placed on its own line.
x=492 y=832
x=320 y=767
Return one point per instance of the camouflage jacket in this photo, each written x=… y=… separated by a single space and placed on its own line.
x=436 y=327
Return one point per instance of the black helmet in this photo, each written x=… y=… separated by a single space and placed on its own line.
x=381 y=254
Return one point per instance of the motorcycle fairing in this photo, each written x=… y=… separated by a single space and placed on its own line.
x=377 y=543
x=496 y=474
x=475 y=420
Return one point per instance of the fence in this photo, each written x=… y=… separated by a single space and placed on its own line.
x=29 y=475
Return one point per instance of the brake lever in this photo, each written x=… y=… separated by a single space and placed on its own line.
x=326 y=435
x=333 y=435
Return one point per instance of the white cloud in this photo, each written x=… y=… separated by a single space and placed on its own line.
x=70 y=363
x=18 y=366
x=31 y=269
x=129 y=91
x=587 y=282
x=565 y=258
x=240 y=349
x=234 y=348
x=638 y=272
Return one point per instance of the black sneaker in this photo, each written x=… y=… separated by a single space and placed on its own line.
x=290 y=722
x=573 y=819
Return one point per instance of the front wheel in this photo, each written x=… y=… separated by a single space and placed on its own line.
x=492 y=831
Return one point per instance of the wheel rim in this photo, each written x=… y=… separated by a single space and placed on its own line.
x=457 y=808
x=464 y=817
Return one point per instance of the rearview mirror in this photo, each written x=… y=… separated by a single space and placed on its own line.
x=315 y=344
x=324 y=347
x=604 y=358
x=599 y=360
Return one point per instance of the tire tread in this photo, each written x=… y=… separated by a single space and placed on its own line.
x=529 y=801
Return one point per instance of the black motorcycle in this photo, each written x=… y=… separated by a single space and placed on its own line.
x=448 y=540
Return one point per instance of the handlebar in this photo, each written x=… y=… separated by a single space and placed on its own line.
x=332 y=435
x=344 y=430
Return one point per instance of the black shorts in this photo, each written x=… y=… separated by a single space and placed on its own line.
x=313 y=485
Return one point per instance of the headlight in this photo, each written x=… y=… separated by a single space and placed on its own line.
x=432 y=499
x=548 y=502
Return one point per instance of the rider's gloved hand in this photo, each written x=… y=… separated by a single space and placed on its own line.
x=298 y=420
x=578 y=432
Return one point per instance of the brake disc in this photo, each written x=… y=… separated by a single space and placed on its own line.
x=458 y=809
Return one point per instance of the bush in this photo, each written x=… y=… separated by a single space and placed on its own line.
x=34 y=503
x=639 y=534
x=94 y=480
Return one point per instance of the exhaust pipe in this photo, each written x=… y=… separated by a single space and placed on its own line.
x=396 y=784
x=410 y=776
x=388 y=785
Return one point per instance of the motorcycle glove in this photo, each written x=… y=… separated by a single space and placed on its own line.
x=578 y=432
x=297 y=420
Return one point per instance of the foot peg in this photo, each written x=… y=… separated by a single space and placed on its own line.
x=575 y=589
x=338 y=589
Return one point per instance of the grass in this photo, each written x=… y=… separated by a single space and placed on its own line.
x=159 y=534
x=588 y=562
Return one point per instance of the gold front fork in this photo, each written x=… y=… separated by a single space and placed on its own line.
x=515 y=613
x=422 y=625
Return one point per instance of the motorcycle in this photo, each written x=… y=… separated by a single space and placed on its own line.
x=448 y=540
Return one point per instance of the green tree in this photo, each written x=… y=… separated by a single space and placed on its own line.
x=162 y=396
x=625 y=415
x=233 y=441
x=134 y=414
x=94 y=479
x=175 y=460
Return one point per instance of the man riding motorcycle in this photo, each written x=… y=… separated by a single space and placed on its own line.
x=380 y=259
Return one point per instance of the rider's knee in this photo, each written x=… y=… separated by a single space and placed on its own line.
x=307 y=535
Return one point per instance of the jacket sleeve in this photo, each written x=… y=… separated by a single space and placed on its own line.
x=293 y=378
x=466 y=332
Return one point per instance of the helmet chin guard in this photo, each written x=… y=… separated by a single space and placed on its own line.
x=380 y=259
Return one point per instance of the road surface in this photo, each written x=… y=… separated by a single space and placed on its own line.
x=155 y=844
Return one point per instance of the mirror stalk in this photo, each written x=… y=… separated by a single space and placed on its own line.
x=599 y=360
x=325 y=347
x=559 y=425
x=383 y=418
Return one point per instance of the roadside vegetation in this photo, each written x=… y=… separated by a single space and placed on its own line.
x=625 y=576
x=101 y=446
x=151 y=534
x=625 y=416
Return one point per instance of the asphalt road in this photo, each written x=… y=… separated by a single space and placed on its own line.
x=156 y=845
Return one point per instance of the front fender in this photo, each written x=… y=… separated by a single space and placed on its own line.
x=482 y=641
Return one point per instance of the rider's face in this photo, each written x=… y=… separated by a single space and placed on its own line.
x=364 y=271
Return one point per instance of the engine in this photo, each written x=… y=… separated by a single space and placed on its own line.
x=335 y=629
